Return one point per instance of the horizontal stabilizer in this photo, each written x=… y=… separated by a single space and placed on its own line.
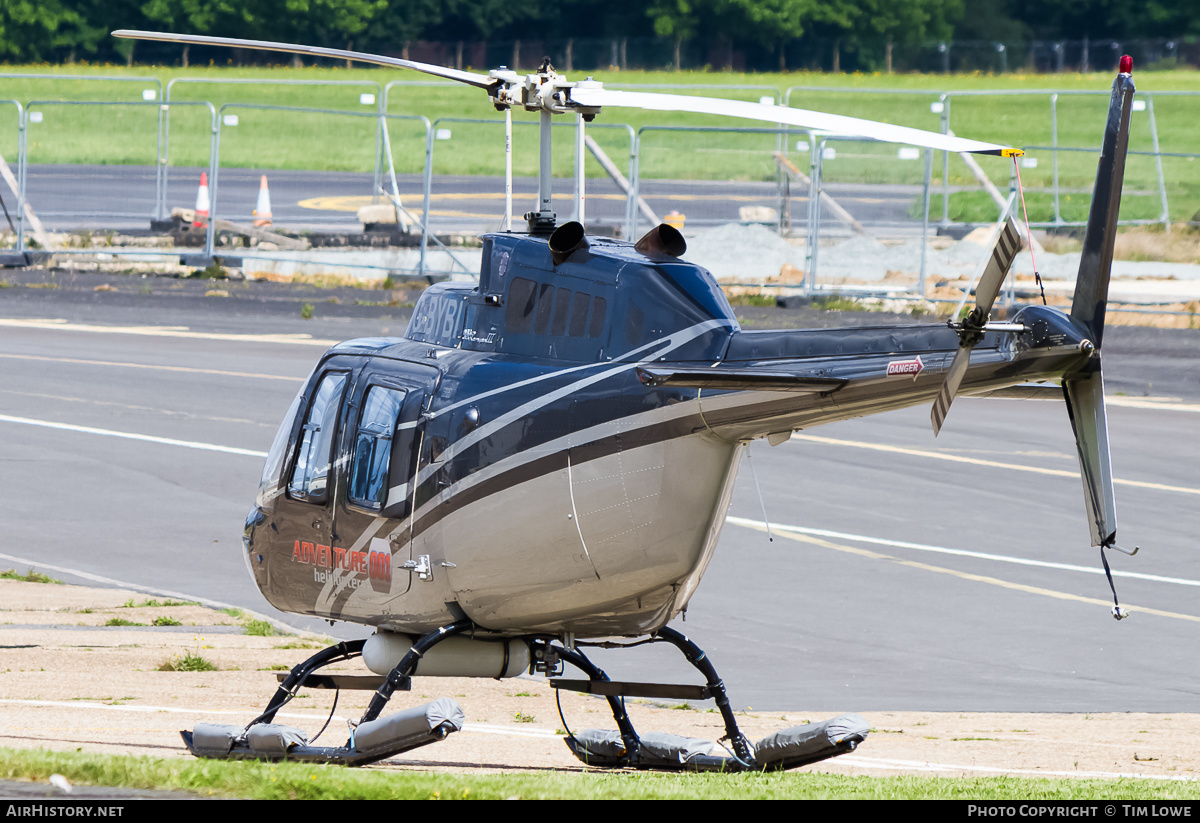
x=1024 y=391
x=738 y=379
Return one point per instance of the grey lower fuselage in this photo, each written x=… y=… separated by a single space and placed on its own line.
x=582 y=501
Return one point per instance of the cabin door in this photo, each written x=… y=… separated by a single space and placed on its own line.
x=376 y=486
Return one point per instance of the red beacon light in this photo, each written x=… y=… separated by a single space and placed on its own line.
x=1126 y=64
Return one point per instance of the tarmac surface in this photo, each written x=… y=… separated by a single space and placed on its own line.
x=937 y=581
x=75 y=684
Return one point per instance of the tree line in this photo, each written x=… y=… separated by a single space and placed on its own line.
x=60 y=31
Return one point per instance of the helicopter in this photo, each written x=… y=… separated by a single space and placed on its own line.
x=543 y=462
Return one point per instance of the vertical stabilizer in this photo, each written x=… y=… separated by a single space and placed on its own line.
x=1085 y=406
x=1095 y=266
x=1085 y=390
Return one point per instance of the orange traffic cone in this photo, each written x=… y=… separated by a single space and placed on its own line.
x=262 y=212
x=202 y=203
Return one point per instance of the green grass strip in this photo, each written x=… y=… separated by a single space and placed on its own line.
x=293 y=781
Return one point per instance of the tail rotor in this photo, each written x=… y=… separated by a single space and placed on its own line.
x=1005 y=245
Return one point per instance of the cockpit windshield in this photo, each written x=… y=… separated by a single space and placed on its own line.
x=268 y=486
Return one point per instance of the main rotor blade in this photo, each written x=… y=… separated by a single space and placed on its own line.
x=470 y=78
x=818 y=121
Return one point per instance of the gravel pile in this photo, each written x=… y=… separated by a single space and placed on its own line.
x=753 y=254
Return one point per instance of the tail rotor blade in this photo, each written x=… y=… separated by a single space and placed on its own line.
x=954 y=376
x=1005 y=245
x=1004 y=252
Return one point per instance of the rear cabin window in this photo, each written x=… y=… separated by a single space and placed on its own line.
x=579 y=313
x=599 y=307
x=518 y=313
x=373 y=447
x=545 y=306
x=310 y=477
x=562 y=308
x=558 y=312
x=633 y=325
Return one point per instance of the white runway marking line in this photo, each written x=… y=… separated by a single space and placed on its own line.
x=167 y=441
x=1159 y=403
x=122 y=584
x=55 y=324
x=795 y=533
x=975 y=461
x=187 y=369
x=1001 y=558
x=479 y=728
x=152 y=590
x=925 y=766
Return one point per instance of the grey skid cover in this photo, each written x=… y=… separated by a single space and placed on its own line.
x=419 y=721
x=816 y=741
x=656 y=747
x=273 y=738
x=673 y=748
x=214 y=738
x=600 y=743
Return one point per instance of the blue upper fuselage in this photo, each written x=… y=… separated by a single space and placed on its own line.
x=602 y=302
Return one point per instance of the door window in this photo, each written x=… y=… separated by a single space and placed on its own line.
x=373 y=447
x=310 y=477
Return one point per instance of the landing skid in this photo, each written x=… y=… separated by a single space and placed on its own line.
x=787 y=749
x=374 y=738
x=371 y=739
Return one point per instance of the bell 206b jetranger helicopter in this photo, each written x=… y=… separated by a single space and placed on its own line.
x=544 y=461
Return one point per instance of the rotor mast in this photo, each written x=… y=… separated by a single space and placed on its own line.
x=547 y=93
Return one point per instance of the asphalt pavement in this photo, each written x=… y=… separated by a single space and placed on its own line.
x=904 y=572
x=100 y=198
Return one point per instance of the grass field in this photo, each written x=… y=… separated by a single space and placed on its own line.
x=291 y=781
x=273 y=138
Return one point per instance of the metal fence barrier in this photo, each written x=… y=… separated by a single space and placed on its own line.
x=527 y=182
x=85 y=205
x=376 y=99
x=746 y=153
x=943 y=105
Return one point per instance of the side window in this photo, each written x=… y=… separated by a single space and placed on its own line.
x=579 y=314
x=545 y=307
x=518 y=313
x=599 y=307
x=310 y=477
x=373 y=447
x=562 y=308
x=633 y=325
